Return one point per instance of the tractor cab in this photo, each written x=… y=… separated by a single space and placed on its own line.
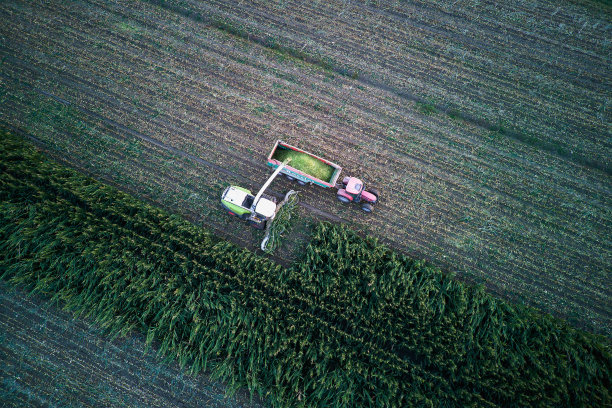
x=354 y=187
x=354 y=192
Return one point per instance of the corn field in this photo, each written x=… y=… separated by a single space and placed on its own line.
x=281 y=223
x=352 y=324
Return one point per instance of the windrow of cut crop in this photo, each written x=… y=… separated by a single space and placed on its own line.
x=355 y=324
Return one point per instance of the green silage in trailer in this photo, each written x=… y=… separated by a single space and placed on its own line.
x=305 y=163
x=353 y=324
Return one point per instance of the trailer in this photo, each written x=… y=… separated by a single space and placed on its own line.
x=307 y=168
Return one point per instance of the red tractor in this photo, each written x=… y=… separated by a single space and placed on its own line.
x=355 y=192
x=307 y=168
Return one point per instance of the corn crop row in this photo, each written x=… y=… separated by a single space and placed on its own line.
x=281 y=223
x=353 y=324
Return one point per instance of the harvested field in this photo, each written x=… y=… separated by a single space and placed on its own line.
x=485 y=127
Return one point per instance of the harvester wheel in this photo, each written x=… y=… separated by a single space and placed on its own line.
x=367 y=207
x=289 y=177
x=301 y=183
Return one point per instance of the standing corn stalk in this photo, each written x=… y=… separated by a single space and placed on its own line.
x=280 y=223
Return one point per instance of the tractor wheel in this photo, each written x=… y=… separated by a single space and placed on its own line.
x=375 y=192
x=343 y=199
x=367 y=207
x=289 y=177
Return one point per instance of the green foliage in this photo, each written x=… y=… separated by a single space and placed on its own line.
x=354 y=324
x=454 y=114
x=281 y=223
x=426 y=108
x=305 y=163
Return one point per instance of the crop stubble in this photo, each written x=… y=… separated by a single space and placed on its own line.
x=530 y=67
x=467 y=198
